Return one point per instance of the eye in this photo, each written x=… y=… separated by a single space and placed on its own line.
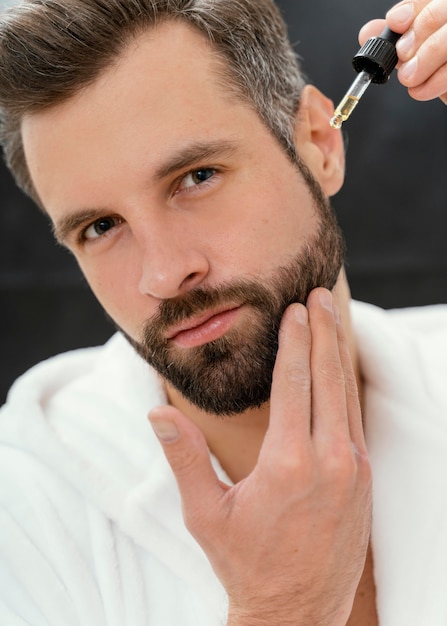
x=196 y=177
x=100 y=227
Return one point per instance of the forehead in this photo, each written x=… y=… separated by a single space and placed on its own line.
x=166 y=87
x=172 y=55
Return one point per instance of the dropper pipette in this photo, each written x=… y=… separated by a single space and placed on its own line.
x=375 y=61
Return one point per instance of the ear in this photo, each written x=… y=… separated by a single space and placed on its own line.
x=318 y=144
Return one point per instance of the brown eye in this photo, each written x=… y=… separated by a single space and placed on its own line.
x=100 y=227
x=197 y=177
x=200 y=176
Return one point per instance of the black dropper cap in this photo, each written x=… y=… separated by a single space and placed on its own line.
x=378 y=56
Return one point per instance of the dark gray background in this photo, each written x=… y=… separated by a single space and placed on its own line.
x=392 y=207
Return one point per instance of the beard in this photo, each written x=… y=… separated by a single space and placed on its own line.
x=233 y=373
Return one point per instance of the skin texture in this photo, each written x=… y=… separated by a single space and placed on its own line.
x=310 y=463
x=299 y=463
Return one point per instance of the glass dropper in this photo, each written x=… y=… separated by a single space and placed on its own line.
x=375 y=61
x=349 y=102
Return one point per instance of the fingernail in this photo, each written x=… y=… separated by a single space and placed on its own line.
x=402 y=12
x=301 y=315
x=405 y=44
x=408 y=69
x=165 y=430
x=326 y=300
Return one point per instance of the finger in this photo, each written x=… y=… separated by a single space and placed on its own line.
x=187 y=453
x=422 y=50
x=352 y=393
x=434 y=87
x=424 y=17
x=356 y=428
x=290 y=400
x=329 y=411
x=400 y=17
x=424 y=71
x=371 y=29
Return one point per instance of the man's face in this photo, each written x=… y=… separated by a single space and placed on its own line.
x=191 y=225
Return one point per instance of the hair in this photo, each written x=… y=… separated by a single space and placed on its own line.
x=51 y=49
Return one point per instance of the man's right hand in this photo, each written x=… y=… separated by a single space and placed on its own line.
x=422 y=50
x=289 y=541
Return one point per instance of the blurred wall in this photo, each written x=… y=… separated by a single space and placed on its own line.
x=393 y=204
x=392 y=207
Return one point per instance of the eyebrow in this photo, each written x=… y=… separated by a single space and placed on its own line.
x=188 y=156
x=70 y=223
x=193 y=154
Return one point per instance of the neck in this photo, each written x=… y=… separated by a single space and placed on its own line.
x=236 y=440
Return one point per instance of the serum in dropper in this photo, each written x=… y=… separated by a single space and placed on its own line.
x=375 y=61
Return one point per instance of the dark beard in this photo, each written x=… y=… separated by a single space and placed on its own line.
x=234 y=373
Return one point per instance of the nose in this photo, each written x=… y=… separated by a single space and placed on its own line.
x=170 y=265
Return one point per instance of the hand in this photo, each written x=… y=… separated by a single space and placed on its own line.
x=289 y=541
x=422 y=49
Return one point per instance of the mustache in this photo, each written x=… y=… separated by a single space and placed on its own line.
x=200 y=300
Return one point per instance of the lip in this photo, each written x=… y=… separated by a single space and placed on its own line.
x=204 y=328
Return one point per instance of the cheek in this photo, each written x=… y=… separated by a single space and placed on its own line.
x=115 y=286
x=263 y=234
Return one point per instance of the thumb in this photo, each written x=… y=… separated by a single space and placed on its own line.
x=187 y=453
x=371 y=29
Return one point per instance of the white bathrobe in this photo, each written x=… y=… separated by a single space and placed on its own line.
x=91 y=531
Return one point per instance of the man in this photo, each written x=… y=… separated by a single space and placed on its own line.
x=186 y=166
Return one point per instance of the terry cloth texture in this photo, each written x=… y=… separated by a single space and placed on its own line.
x=91 y=530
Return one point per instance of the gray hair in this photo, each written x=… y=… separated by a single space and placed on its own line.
x=50 y=49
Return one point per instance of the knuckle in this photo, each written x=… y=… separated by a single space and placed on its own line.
x=298 y=471
x=296 y=466
x=340 y=463
x=183 y=461
x=347 y=476
x=329 y=370
x=297 y=376
x=343 y=467
x=433 y=44
x=422 y=92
